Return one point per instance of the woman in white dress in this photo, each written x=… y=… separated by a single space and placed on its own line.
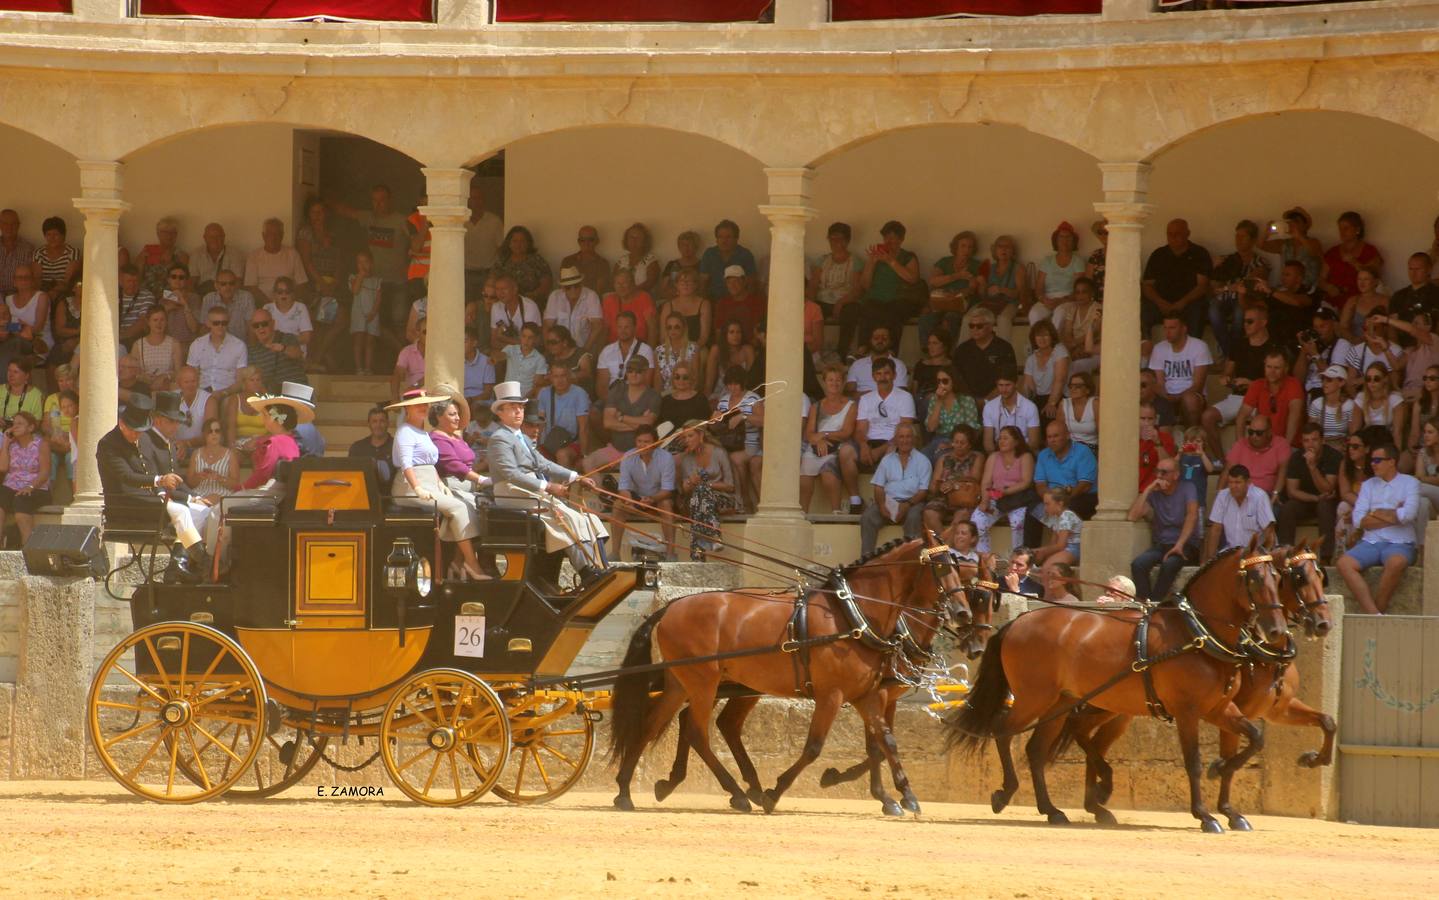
x=416 y=477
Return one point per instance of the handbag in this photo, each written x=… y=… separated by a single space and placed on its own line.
x=1010 y=502
x=963 y=493
x=556 y=438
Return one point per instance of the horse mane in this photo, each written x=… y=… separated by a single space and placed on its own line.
x=881 y=550
x=1214 y=561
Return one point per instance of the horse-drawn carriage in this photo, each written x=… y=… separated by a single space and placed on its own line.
x=333 y=625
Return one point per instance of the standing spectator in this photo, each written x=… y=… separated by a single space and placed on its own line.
x=1006 y=286
x=725 y=253
x=685 y=401
x=615 y=357
x=739 y=303
x=1007 y=487
x=1176 y=280
x=1081 y=408
x=593 y=269
x=949 y=408
x=900 y=484
x=730 y=351
x=1291 y=305
x=1311 y=487
x=1378 y=404
x=1241 y=511
x=154 y=260
x=1332 y=410
x=1344 y=260
x=834 y=282
x=1370 y=297
x=647 y=486
x=1155 y=445
x=688 y=243
x=510 y=312
x=689 y=304
x=1236 y=276
x=627 y=298
x=366 y=288
x=57 y=263
x=1375 y=348
x=1170 y=505
x=1262 y=453
x=954 y=485
x=983 y=355
x=1278 y=393
x=521 y=260
x=214 y=470
x=135 y=303
x=1054 y=280
x=237 y=303
x=25 y=460
x=565 y=411
x=1078 y=325
x=219 y=354
x=410 y=364
x=577 y=307
x=829 y=424
x=1298 y=246
x=1244 y=366
x=157 y=353
x=637 y=255
x=860 y=378
x=880 y=412
x=273 y=259
x=1062 y=464
x=1009 y=407
x=524 y=363
x=378 y=445
x=482 y=240
x=1420 y=295
x=889 y=271
x=54 y=421
x=279 y=357
x=628 y=406
x=706 y=487
x=1181 y=363
x=1319 y=349
x=956 y=281
x=1046 y=369
x=319 y=250
x=213 y=257
x=674 y=350
x=387 y=235
x=14 y=249
x=1387 y=512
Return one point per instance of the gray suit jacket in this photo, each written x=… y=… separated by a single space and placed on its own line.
x=514 y=460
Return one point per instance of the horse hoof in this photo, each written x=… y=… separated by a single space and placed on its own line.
x=770 y=799
x=1309 y=759
x=1216 y=769
x=1211 y=826
x=624 y=804
x=756 y=796
x=911 y=804
x=1239 y=823
x=998 y=801
x=663 y=788
x=739 y=803
x=892 y=809
x=1058 y=818
x=830 y=778
x=1104 y=816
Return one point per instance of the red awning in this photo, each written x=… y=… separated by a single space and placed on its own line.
x=855 y=10
x=51 y=6
x=629 y=10
x=366 y=10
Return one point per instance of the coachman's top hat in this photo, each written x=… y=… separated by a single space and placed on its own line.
x=136 y=415
x=168 y=404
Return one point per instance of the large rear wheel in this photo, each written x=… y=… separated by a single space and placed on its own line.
x=177 y=712
x=444 y=737
x=553 y=739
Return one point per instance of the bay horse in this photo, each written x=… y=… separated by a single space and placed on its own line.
x=918 y=630
x=1267 y=691
x=1179 y=661
x=918 y=574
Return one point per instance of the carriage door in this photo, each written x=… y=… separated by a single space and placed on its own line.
x=330 y=584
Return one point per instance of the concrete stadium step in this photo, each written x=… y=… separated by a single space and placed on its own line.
x=342 y=412
x=370 y=388
x=342 y=436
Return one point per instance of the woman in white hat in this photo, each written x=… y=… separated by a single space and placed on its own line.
x=522 y=475
x=281 y=414
x=414 y=456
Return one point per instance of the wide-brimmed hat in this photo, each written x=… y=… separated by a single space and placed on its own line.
x=507 y=392
x=417 y=397
x=169 y=405
x=734 y=272
x=136 y=415
x=570 y=275
x=296 y=396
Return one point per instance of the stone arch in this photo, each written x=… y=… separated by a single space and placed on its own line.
x=41 y=180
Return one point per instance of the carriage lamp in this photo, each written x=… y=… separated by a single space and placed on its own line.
x=405 y=570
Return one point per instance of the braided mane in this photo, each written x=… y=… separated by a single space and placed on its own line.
x=1214 y=560
x=877 y=552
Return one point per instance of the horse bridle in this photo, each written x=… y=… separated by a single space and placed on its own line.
x=1294 y=566
x=1251 y=575
x=939 y=559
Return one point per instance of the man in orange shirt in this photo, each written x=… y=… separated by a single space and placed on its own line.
x=626 y=298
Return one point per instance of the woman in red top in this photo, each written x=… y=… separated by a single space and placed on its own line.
x=281 y=415
x=1346 y=258
x=156 y=259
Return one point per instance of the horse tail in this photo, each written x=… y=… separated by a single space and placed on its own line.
x=630 y=702
x=987 y=703
x=1067 y=736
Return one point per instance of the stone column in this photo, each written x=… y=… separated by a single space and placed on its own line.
x=779 y=522
x=1111 y=541
x=101 y=204
x=801 y=13
x=469 y=14
x=448 y=190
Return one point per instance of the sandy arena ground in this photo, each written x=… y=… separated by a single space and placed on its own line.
x=94 y=839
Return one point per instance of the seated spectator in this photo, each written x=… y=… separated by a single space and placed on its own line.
x=726 y=253
x=647 y=485
x=1279 y=393
x=739 y=430
x=13 y=249
x=1181 y=364
x=1079 y=326
x=1371 y=296
x=130 y=382
x=65 y=327
x=860 y=378
x=560 y=347
x=1009 y=407
x=900 y=485
x=1055 y=274
x=1094 y=267
x=1006 y=285
x=740 y=303
x=1240 y=511
x=157 y=353
x=1423 y=407
x=954 y=486
x=1332 y=410
x=1118 y=589
x=890 y=275
x=1046 y=369
x=880 y=412
x=154 y=260
x=1058 y=581
x=196 y=403
x=1155 y=445
x=565 y=411
x=1064 y=527
x=593 y=270
x=1263 y=454
x=271 y=261
x=1376 y=348
x=291 y=316
x=522 y=263
x=982 y=355
x=214 y=470
x=829 y=425
x=19 y=394
x=927 y=368
x=950 y=407
x=1420 y=295
x=235 y=302
x=135 y=303
x=1019 y=580
x=244 y=424
x=63 y=436
x=1426 y=462
x=1236 y=276
x=1387 y=513
x=53 y=421
x=1319 y=348
x=219 y=354
x=954 y=284
x=480 y=374
x=615 y=356
x=1344 y=260
x=1062 y=463
x=1353 y=471
x=637 y=256
x=693 y=308
x=577 y=307
x=688 y=244
x=834 y=283
x=213 y=257
x=509 y=314
x=627 y=406
x=410 y=364
x=627 y=298
x=684 y=401
x=1291 y=305
x=1149 y=393
x=706 y=487
x=30 y=308
x=57 y=264
x=1311 y=488
x=181 y=306
x=1379 y=404
x=310 y=440
x=378 y=445
x=1298 y=245
x=1176 y=282
x=25 y=460
x=279 y=357
x=732 y=350
x=676 y=349
x=1244 y=366
x=524 y=362
x=1172 y=508
x=1080 y=409
x=1007 y=487
x=1421 y=355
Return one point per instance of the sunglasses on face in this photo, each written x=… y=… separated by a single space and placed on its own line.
x=177 y=277
x=224 y=284
x=219 y=322
x=212 y=430
x=1251 y=321
x=943 y=381
x=282 y=292
x=1254 y=432
x=1376 y=460
x=679 y=376
x=261 y=324
x=1431 y=377
x=1374 y=379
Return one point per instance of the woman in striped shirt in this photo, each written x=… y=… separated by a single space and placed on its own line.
x=1332 y=409
x=57 y=261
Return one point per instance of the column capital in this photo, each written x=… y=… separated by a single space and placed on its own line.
x=442 y=217
x=789 y=185
x=786 y=213
x=101 y=179
x=447 y=187
x=1125 y=181
x=1125 y=214
x=96 y=209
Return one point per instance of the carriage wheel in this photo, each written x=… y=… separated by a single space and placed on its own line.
x=444 y=737
x=553 y=740
x=179 y=720
x=285 y=758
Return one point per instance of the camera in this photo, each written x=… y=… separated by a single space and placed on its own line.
x=1308 y=335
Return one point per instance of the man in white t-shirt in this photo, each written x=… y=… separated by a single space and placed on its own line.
x=1009 y=407
x=510 y=313
x=1240 y=511
x=273 y=260
x=577 y=308
x=611 y=365
x=1182 y=363
x=860 y=379
x=880 y=412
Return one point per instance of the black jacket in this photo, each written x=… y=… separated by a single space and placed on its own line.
x=162 y=454
x=128 y=471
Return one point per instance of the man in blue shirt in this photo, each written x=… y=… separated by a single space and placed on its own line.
x=1172 y=506
x=1387 y=509
x=726 y=252
x=647 y=476
x=900 y=484
x=565 y=406
x=1062 y=463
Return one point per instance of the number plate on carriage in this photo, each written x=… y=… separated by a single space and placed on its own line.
x=470 y=636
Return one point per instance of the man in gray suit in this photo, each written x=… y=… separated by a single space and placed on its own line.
x=523 y=477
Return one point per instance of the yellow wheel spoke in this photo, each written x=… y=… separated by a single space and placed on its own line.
x=142 y=685
x=146 y=758
x=574 y=732
x=414 y=759
x=475 y=764
x=419 y=713
x=455 y=773
x=540 y=767
x=228 y=690
x=216 y=742
x=520 y=773
x=199 y=764
x=159 y=666
x=214 y=664
x=115 y=704
x=170 y=779
x=184 y=661
x=110 y=742
x=235 y=740
x=431 y=779
x=248 y=721
x=555 y=753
